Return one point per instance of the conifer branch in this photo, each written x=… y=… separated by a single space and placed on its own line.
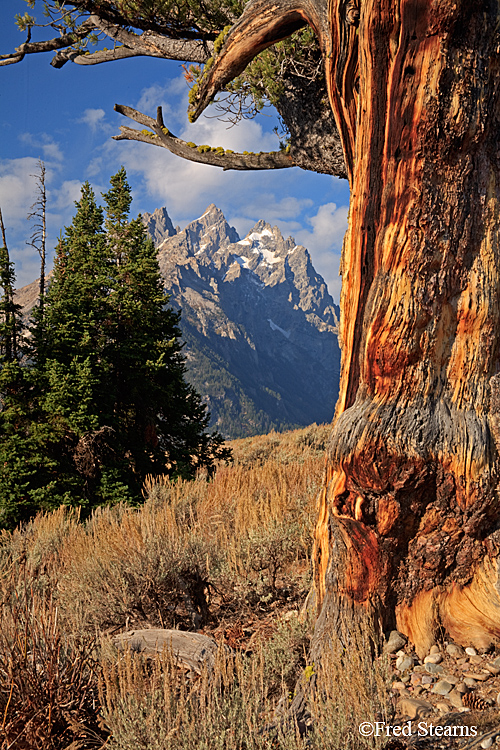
x=261 y=25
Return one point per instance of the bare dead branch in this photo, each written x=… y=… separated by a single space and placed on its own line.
x=129 y=44
x=158 y=135
x=61 y=42
x=38 y=214
x=93 y=58
x=2 y=227
x=168 y=49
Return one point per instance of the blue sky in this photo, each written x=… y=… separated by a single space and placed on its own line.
x=65 y=117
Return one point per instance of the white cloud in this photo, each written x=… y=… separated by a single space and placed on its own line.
x=45 y=143
x=167 y=97
x=17 y=189
x=187 y=188
x=18 y=193
x=329 y=226
x=65 y=196
x=266 y=206
x=93 y=118
x=95 y=167
x=286 y=198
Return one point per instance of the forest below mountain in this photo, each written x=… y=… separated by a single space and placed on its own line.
x=93 y=395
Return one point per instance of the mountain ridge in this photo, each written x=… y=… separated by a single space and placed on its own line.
x=257 y=316
x=259 y=326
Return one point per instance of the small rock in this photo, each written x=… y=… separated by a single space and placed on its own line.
x=479 y=676
x=492 y=668
x=415 y=678
x=486 y=743
x=462 y=687
x=471 y=651
x=442 y=687
x=433 y=659
x=435 y=649
x=403 y=663
x=455 y=699
x=427 y=679
x=475 y=659
x=417 y=690
x=419 y=668
x=415 y=708
x=443 y=707
x=405 y=678
x=470 y=682
x=453 y=650
x=462 y=661
x=395 y=641
x=434 y=668
x=498 y=699
x=398 y=685
x=451 y=678
x=496 y=661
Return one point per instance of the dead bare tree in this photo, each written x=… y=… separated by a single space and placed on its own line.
x=38 y=215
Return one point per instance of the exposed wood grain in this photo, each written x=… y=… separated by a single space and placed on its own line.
x=410 y=505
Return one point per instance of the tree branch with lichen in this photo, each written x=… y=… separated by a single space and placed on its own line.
x=286 y=76
x=158 y=135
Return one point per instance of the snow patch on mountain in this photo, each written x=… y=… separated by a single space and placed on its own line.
x=269 y=257
x=274 y=327
x=255 y=236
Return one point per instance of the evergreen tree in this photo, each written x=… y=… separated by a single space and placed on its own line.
x=105 y=401
x=22 y=440
x=160 y=419
x=67 y=352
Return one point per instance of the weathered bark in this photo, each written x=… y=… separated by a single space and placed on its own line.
x=314 y=139
x=409 y=511
x=191 y=650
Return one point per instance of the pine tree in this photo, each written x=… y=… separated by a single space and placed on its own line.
x=160 y=417
x=68 y=346
x=105 y=400
x=22 y=440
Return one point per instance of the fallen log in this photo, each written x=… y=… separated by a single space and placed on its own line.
x=191 y=650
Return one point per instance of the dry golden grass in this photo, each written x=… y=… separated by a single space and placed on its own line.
x=230 y=552
x=152 y=707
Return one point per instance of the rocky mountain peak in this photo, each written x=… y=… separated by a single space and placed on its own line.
x=259 y=324
x=159 y=225
x=208 y=234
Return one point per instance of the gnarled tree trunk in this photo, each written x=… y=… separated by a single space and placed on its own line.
x=410 y=498
x=409 y=510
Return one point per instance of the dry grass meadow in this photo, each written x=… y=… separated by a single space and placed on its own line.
x=230 y=558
